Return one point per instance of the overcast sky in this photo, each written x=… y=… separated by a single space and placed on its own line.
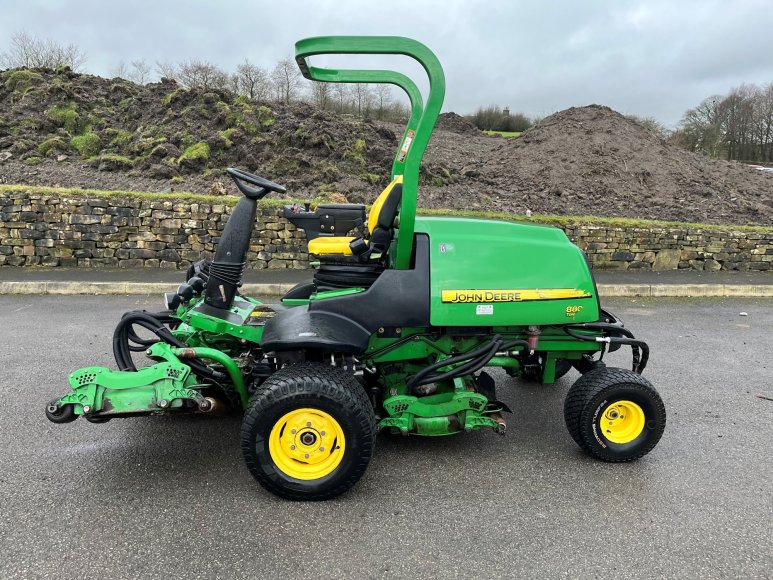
x=652 y=58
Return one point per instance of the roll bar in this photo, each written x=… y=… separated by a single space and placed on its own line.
x=420 y=124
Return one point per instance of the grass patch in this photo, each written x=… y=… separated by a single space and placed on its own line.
x=50 y=145
x=119 y=161
x=591 y=221
x=198 y=150
x=169 y=99
x=21 y=81
x=227 y=137
x=141 y=195
x=88 y=145
x=265 y=116
x=503 y=133
x=66 y=117
x=121 y=139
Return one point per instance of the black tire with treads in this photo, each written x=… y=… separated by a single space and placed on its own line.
x=596 y=390
x=319 y=386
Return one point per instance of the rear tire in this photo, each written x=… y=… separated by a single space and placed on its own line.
x=614 y=414
x=309 y=432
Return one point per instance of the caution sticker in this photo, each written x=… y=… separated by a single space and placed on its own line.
x=406 y=144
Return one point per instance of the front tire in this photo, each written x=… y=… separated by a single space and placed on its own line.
x=614 y=414
x=309 y=432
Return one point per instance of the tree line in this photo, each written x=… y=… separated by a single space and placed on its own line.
x=736 y=126
x=283 y=83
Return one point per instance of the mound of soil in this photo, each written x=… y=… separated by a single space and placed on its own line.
x=79 y=130
x=593 y=160
x=83 y=131
x=455 y=124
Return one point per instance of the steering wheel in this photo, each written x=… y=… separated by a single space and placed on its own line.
x=265 y=186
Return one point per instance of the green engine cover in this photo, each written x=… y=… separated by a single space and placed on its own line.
x=497 y=273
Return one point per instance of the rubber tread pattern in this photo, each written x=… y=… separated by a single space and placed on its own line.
x=300 y=382
x=578 y=408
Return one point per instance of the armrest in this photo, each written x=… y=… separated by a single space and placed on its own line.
x=335 y=219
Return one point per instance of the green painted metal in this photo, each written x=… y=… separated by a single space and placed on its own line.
x=227 y=362
x=435 y=415
x=219 y=329
x=474 y=254
x=159 y=387
x=418 y=131
x=335 y=293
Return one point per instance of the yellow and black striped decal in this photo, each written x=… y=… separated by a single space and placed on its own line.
x=476 y=296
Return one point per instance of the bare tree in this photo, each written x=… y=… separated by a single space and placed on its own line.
x=251 y=80
x=140 y=72
x=341 y=94
x=737 y=126
x=652 y=125
x=202 y=74
x=361 y=95
x=286 y=79
x=322 y=95
x=382 y=93
x=120 y=70
x=167 y=70
x=26 y=51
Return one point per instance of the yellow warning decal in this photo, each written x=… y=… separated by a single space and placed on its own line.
x=464 y=296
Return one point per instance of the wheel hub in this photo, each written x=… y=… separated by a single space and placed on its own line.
x=622 y=421
x=306 y=444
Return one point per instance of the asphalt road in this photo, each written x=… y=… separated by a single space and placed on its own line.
x=171 y=498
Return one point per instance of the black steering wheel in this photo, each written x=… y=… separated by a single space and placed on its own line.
x=265 y=186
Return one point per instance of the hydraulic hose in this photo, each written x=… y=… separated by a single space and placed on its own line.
x=418 y=379
x=640 y=351
x=476 y=360
x=124 y=334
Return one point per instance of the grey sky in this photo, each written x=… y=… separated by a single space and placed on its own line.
x=654 y=57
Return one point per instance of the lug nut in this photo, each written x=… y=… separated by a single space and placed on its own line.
x=306 y=456
x=321 y=448
x=292 y=447
x=87 y=408
x=322 y=433
x=308 y=424
x=293 y=431
x=163 y=403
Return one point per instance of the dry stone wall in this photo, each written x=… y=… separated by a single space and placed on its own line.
x=137 y=232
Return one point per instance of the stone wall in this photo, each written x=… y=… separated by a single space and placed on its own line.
x=630 y=248
x=132 y=232
x=124 y=232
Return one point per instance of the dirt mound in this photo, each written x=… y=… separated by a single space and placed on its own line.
x=456 y=124
x=61 y=128
x=69 y=129
x=594 y=161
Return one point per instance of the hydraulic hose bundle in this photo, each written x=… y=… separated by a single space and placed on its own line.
x=127 y=341
x=473 y=361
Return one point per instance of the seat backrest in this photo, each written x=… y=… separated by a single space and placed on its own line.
x=383 y=213
x=384 y=209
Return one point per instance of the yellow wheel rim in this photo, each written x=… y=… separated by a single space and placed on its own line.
x=622 y=421
x=306 y=444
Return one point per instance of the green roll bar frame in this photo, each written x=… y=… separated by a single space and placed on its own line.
x=420 y=124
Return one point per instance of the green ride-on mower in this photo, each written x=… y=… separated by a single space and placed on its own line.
x=391 y=334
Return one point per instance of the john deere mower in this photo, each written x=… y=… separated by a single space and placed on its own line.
x=393 y=333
